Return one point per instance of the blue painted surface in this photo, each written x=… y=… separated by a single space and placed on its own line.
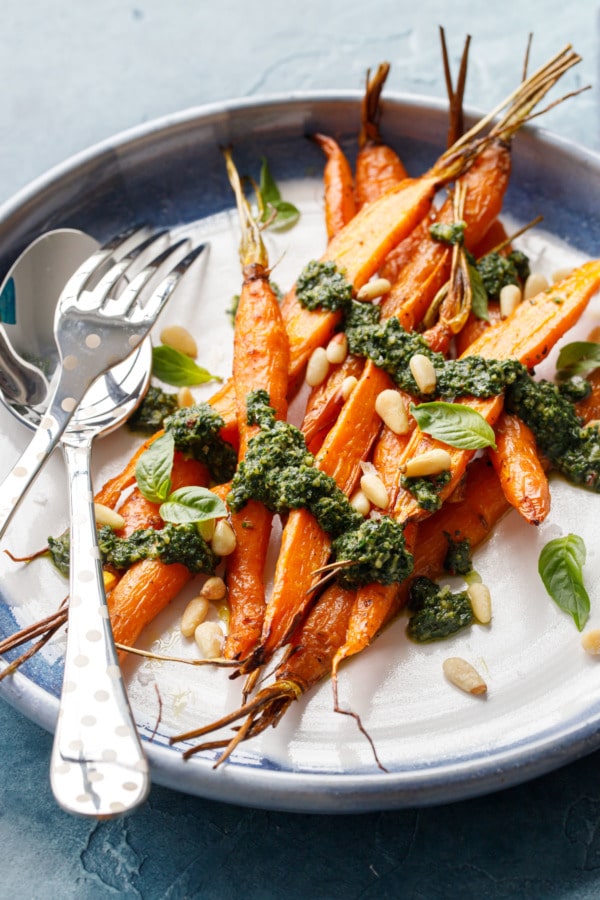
x=74 y=74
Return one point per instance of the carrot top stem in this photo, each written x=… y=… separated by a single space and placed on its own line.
x=370 y=109
x=252 y=248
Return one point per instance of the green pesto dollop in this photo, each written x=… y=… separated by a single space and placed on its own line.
x=436 y=612
x=152 y=411
x=196 y=431
x=390 y=347
x=279 y=471
x=427 y=491
x=497 y=271
x=170 y=544
x=458 y=557
x=572 y=449
x=378 y=553
x=321 y=285
x=448 y=232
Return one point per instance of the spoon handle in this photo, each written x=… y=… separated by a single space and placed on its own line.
x=98 y=767
x=69 y=391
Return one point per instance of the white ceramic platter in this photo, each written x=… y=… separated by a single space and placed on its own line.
x=542 y=708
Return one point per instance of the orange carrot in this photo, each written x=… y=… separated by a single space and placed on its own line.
x=520 y=470
x=260 y=362
x=378 y=167
x=340 y=205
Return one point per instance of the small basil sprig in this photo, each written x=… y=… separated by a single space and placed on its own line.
x=454 y=424
x=186 y=504
x=561 y=569
x=578 y=358
x=177 y=369
x=278 y=213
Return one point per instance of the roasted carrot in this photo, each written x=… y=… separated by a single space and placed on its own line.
x=520 y=470
x=260 y=362
x=340 y=205
x=378 y=166
x=589 y=409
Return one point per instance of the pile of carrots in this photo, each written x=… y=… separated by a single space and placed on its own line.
x=378 y=227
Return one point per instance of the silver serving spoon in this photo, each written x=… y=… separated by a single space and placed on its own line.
x=98 y=767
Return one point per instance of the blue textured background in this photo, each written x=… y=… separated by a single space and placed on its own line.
x=73 y=73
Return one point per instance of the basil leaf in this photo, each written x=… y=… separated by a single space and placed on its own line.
x=192 y=504
x=578 y=357
x=561 y=569
x=173 y=367
x=286 y=214
x=454 y=424
x=153 y=469
x=479 y=297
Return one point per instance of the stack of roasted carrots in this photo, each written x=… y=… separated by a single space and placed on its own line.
x=378 y=227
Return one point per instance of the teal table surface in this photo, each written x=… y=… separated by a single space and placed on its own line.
x=75 y=73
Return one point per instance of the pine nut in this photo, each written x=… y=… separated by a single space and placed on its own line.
x=104 y=515
x=109 y=579
x=337 y=349
x=374 y=490
x=223 y=540
x=561 y=274
x=194 y=613
x=481 y=602
x=213 y=588
x=373 y=289
x=390 y=407
x=535 y=284
x=348 y=385
x=360 y=502
x=209 y=638
x=463 y=675
x=510 y=297
x=185 y=398
x=317 y=369
x=590 y=642
x=179 y=338
x=423 y=372
x=430 y=463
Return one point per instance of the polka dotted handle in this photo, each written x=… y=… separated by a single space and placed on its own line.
x=98 y=766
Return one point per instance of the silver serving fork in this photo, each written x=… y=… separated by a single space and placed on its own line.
x=98 y=766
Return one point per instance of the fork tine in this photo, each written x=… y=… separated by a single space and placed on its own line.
x=149 y=312
x=137 y=288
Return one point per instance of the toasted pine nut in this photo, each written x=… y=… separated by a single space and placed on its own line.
x=317 y=369
x=109 y=579
x=510 y=297
x=104 y=515
x=194 y=613
x=374 y=490
x=481 y=602
x=423 y=372
x=348 y=385
x=373 y=289
x=213 y=588
x=430 y=463
x=337 y=349
x=561 y=274
x=185 y=398
x=360 y=502
x=209 y=638
x=590 y=641
x=223 y=540
x=463 y=675
x=535 y=284
x=179 y=338
x=390 y=407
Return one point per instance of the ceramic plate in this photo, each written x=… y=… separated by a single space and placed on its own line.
x=542 y=708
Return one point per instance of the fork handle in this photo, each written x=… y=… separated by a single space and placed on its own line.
x=98 y=767
x=65 y=397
